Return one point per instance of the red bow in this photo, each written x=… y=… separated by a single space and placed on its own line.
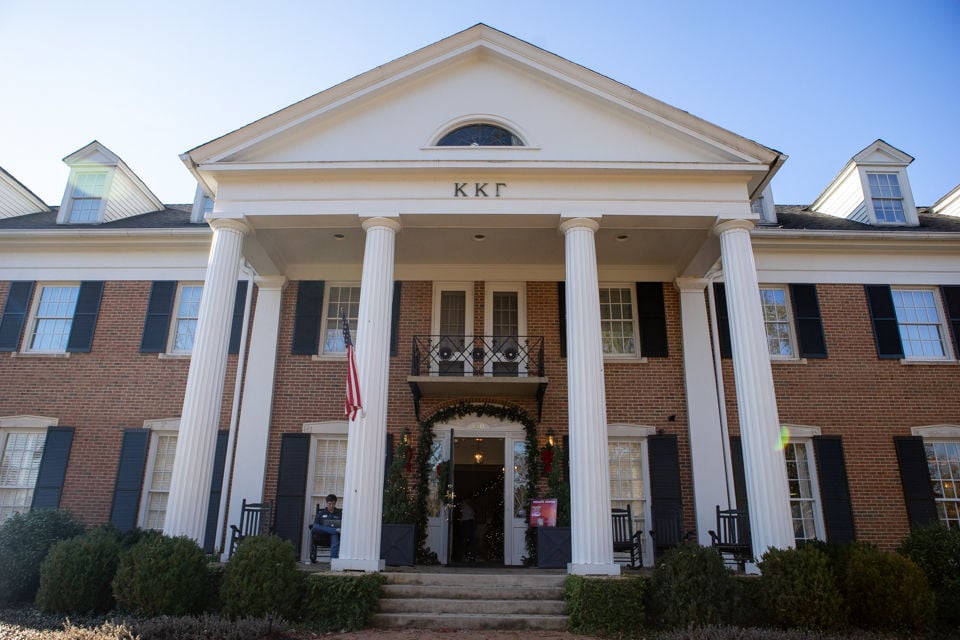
x=547 y=456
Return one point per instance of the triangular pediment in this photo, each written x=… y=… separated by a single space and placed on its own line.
x=563 y=112
x=881 y=153
x=93 y=154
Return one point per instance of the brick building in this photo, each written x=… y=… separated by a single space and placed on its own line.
x=557 y=255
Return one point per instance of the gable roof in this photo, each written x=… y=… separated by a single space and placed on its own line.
x=16 y=199
x=479 y=42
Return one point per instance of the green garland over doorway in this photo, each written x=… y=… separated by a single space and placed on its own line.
x=425 y=447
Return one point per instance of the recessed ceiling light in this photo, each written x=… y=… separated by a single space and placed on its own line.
x=479 y=237
x=622 y=237
x=339 y=236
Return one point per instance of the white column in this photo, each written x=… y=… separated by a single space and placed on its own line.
x=200 y=418
x=253 y=429
x=709 y=443
x=366 y=438
x=591 y=532
x=768 y=493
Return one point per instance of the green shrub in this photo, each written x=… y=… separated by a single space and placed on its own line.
x=160 y=575
x=747 y=609
x=690 y=586
x=25 y=540
x=936 y=550
x=341 y=602
x=75 y=577
x=605 y=606
x=799 y=589
x=261 y=578
x=886 y=591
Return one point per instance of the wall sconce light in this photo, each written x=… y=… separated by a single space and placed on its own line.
x=550 y=439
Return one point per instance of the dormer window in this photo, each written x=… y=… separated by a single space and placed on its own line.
x=887 y=198
x=480 y=135
x=87 y=197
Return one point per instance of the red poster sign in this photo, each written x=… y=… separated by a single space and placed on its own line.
x=543 y=513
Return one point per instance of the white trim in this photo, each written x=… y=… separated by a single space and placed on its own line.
x=636 y=356
x=800 y=432
x=30 y=324
x=490 y=288
x=480 y=118
x=791 y=322
x=171 y=352
x=937 y=431
x=26 y=421
x=328 y=287
x=946 y=344
x=158 y=428
x=329 y=427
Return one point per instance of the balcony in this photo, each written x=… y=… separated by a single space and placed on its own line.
x=502 y=366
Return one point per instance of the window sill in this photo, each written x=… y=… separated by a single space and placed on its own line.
x=338 y=357
x=625 y=360
x=914 y=361
x=39 y=354
x=173 y=356
x=788 y=361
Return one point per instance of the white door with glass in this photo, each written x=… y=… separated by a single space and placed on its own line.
x=452 y=326
x=505 y=324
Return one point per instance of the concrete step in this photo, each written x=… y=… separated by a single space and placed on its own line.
x=473 y=600
x=465 y=592
x=488 y=607
x=469 y=621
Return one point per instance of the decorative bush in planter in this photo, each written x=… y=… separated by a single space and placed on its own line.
x=398 y=540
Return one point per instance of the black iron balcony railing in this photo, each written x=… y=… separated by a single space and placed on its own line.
x=452 y=365
x=497 y=356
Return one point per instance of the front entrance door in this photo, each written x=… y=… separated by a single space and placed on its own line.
x=495 y=489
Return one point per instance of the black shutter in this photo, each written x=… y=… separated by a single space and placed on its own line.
x=157 y=323
x=387 y=460
x=14 y=314
x=307 y=318
x=723 y=320
x=806 y=315
x=886 y=333
x=566 y=458
x=951 y=302
x=126 y=491
x=292 y=487
x=739 y=475
x=53 y=468
x=915 y=478
x=395 y=320
x=562 y=311
x=664 y=456
x=239 y=306
x=834 y=489
x=652 y=317
x=85 y=317
x=216 y=487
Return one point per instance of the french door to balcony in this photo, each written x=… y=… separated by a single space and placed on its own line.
x=505 y=324
x=453 y=323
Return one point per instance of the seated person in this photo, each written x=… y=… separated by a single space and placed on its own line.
x=328 y=521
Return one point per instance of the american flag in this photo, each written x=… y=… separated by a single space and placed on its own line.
x=353 y=404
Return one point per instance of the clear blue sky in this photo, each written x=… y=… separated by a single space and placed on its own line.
x=817 y=80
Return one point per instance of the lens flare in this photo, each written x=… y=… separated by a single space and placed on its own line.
x=784 y=438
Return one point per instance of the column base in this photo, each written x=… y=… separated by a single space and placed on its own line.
x=593 y=569
x=356 y=564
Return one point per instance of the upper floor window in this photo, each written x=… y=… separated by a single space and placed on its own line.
x=185 y=323
x=618 y=327
x=20 y=454
x=52 y=318
x=480 y=135
x=887 y=198
x=339 y=298
x=777 y=321
x=923 y=331
x=87 y=196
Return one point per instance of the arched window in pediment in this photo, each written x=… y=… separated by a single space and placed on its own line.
x=480 y=135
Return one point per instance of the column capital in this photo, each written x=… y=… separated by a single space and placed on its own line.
x=270 y=282
x=380 y=221
x=690 y=284
x=230 y=223
x=577 y=223
x=733 y=225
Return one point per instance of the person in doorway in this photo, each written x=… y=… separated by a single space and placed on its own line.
x=328 y=521
x=468 y=527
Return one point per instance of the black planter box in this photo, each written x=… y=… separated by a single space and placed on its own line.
x=553 y=547
x=398 y=543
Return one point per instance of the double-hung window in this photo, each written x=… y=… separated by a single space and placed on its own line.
x=340 y=299
x=920 y=319
x=184 y=326
x=618 y=326
x=803 y=490
x=87 y=197
x=20 y=454
x=887 y=198
x=156 y=490
x=777 y=321
x=52 y=318
x=943 y=461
